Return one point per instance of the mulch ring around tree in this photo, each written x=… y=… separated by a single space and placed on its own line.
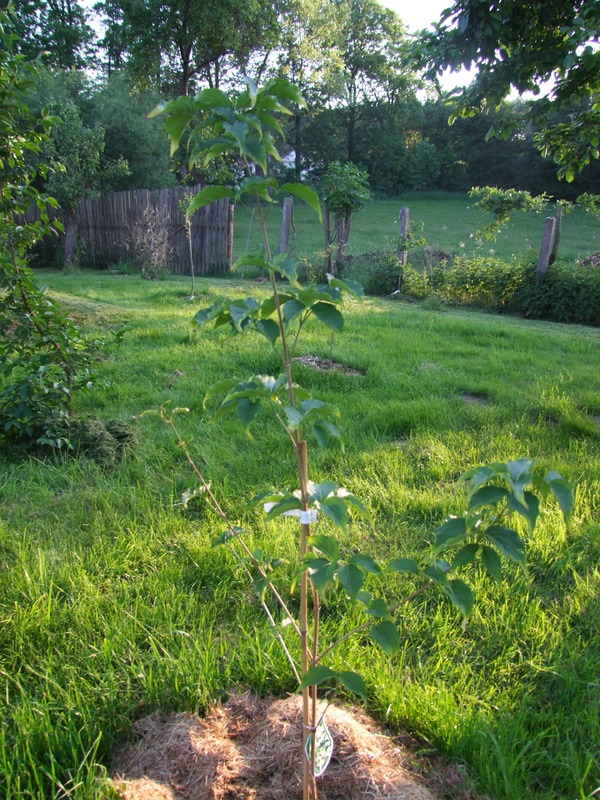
x=250 y=749
x=326 y=365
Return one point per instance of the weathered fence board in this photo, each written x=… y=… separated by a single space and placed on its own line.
x=108 y=226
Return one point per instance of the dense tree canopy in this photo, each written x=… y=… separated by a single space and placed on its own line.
x=59 y=29
x=521 y=45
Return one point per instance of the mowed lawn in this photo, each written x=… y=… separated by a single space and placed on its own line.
x=445 y=221
x=114 y=604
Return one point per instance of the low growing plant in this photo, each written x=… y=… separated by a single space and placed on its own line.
x=480 y=538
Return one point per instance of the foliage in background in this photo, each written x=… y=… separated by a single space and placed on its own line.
x=521 y=45
x=43 y=356
x=344 y=189
x=569 y=293
x=502 y=205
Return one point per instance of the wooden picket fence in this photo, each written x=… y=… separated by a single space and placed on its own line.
x=111 y=226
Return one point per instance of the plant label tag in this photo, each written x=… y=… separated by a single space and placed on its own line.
x=323 y=748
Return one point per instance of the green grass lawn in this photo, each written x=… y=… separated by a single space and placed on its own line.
x=113 y=603
x=446 y=221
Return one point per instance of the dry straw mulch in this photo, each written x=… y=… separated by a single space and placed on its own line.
x=249 y=749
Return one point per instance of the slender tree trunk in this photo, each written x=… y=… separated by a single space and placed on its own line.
x=298 y=124
x=351 y=133
x=70 y=256
x=329 y=267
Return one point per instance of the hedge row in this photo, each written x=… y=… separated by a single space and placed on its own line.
x=569 y=292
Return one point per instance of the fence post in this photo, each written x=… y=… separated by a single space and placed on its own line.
x=546 y=247
x=557 y=232
x=402 y=233
x=286 y=221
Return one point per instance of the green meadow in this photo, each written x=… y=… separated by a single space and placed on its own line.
x=445 y=221
x=113 y=603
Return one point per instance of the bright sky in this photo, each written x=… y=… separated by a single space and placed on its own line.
x=419 y=14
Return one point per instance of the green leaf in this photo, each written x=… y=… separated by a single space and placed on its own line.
x=291 y=309
x=480 y=475
x=323 y=430
x=320 y=491
x=561 y=489
x=206 y=315
x=269 y=329
x=436 y=574
x=287 y=266
x=386 y=635
x=328 y=545
x=335 y=508
x=328 y=315
x=492 y=563
x=531 y=512
x=304 y=193
x=254 y=258
x=247 y=409
x=379 y=608
x=287 y=503
x=460 y=595
x=352 y=287
x=486 y=496
x=284 y=90
x=239 y=131
x=404 y=565
x=316 y=675
x=220 y=387
x=294 y=417
x=508 y=542
x=212 y=98
x=466 y=555
x=256 y=150
x=207 y=196
x=353 y=682
x=351 y=578
x=366 y=562
x=257 y=185
x=452 y=531
x=321 y=572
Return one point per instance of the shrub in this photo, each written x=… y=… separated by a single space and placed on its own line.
x=377 y=272
x=487 y=282
x=568 y=293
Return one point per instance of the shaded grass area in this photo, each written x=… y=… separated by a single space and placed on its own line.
x=446 y=221
x=113 y=603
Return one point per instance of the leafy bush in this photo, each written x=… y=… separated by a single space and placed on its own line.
x=487 y=282
x=377 y=272
x=568 y=294
x=43 y=356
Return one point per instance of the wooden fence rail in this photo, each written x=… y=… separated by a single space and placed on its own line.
x=110 y=225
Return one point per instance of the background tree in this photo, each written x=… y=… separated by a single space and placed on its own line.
x=309 y=56
x=345 y=190
x=59 y=29
x=373 y=48
x=521 y=45
x=171 y=44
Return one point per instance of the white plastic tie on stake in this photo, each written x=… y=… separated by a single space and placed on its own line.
x=306 y=517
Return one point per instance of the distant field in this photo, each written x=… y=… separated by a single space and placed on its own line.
x=445 y=220
x=114 y=605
